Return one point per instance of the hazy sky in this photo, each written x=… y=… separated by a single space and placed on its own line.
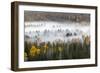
x=30 y=16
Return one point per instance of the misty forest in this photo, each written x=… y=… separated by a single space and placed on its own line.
x=56 y=36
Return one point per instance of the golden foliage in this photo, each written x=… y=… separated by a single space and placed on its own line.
x=34 y=51
x=87 y=40
x=45 y=48
x=60 y=49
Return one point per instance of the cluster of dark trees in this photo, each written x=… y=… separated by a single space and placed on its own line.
x=59 y=51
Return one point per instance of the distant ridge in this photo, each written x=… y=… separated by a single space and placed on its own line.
x=55 y=16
